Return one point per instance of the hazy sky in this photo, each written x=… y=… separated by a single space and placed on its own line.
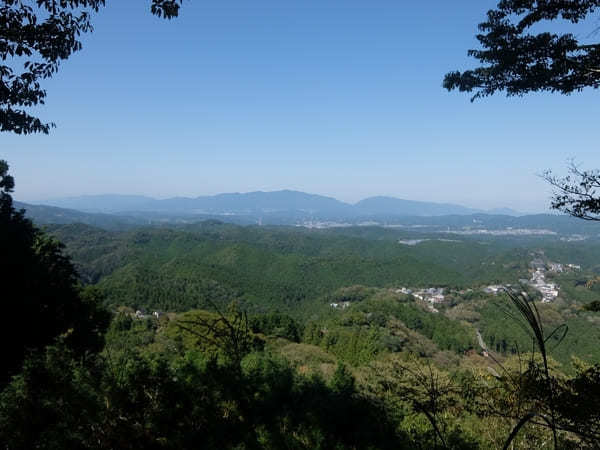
x=341 y=98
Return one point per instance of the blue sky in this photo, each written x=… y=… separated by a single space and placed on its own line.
x=341 y=98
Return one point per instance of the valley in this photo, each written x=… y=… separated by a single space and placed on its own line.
x=323 y=275
x=403 y=326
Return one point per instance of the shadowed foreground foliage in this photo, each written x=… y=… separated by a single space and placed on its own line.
x=135 y=400
x=161 y=385
x=40 y=288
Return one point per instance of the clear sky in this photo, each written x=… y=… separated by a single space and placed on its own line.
x=336 y=97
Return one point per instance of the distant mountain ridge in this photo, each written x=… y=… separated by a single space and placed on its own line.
x=391 y=205
x=463 y=223
x=259 y=202
x=43 y=214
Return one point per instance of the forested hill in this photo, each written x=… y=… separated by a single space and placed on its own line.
x=269 y=267
x=302 y=271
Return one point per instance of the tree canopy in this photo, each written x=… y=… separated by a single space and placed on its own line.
x=35 y=36
x=520 y=53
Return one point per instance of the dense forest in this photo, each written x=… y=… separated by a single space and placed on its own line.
x=216 y=335
x=245 y=348
x=302 y=272
x=176 y=269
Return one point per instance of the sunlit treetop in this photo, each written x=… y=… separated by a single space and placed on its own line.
x=35 y=36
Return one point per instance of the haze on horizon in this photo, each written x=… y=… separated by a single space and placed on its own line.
x=342 y=99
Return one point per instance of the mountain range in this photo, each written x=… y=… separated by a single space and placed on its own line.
x=276 y=203
x=117 y=212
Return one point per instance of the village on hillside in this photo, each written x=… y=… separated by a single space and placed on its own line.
x=538 y=268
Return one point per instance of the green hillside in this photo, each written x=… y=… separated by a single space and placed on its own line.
x=300 y=272
x=284 y=337
x=177 y=269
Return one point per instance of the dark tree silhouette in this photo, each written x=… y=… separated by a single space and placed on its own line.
x=577 y=194
x=40 y=294
x=518 y=57
x=35 y=36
